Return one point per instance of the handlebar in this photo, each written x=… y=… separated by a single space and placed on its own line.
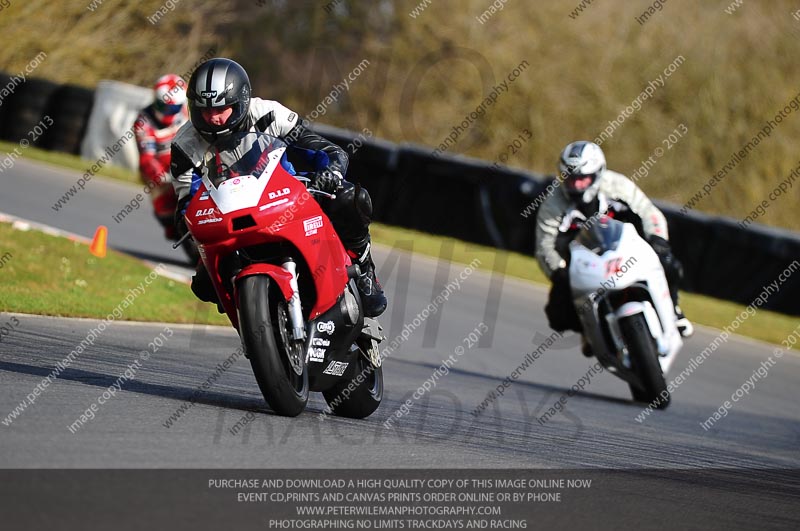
x=306 y=181
x=181 y=240
x=320 y=192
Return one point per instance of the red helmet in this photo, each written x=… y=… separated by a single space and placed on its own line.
x=170 y=92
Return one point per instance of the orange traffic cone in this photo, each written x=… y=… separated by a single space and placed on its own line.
x=98 y=247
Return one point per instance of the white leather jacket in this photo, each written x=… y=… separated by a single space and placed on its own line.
x=611 y=187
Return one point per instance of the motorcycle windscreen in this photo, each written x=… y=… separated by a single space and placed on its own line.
x=601 y=236
x=239 y=155
x=237 y=170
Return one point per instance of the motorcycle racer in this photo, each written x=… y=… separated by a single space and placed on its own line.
x=587 y=190
x=155 y=127
x=220 y=104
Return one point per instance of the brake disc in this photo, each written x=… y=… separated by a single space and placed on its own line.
x=292 y=348
x=374 y=354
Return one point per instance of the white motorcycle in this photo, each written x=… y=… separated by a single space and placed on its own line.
x=623 y=301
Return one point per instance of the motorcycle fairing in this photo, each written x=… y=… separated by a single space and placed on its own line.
x=595 y=274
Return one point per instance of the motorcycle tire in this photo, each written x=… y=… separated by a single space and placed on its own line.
x=364 y=399
x=70 y=108
x=644 y=359
x=265 y=341
x=26 y=108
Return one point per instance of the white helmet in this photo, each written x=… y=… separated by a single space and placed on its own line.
x=170 y=101
x=581 y=166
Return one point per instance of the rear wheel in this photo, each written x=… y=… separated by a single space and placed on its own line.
x=644 y=359
x=357 y=399
x=277 y=359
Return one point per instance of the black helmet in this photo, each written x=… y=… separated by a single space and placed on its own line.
x=219 y=83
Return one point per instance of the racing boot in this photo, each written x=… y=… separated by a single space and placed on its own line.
x=372 y=297
x=685 y=326
x=586 y=348
x=203 y=288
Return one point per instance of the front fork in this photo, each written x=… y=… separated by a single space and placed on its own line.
x=295 y=310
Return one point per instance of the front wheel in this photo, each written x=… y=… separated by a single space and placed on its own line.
x=277 y=360
x=644 y=359
x=359 y=397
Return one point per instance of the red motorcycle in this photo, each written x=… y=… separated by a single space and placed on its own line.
x=284 y=279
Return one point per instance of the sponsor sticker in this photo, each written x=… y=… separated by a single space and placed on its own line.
x=316 y=354
x=209 y=220
x=312 y=225
x=613 y=266
x=326 y=327
x=278 y=193
x=319 y=342
x=273 y=204
x=336 y=368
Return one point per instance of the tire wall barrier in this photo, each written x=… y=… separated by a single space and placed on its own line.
x=24 y=108
x=725 y=261
x=70 y=108
x=116 y=106
x=448 y=195
x=470 y=200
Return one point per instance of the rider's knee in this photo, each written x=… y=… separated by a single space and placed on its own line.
x=351 y=211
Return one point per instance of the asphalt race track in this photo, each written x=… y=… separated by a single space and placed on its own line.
x=597 y=428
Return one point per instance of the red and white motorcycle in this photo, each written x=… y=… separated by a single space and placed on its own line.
x=284 y=279
x=623 y=301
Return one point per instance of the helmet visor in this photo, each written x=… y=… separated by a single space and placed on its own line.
x=578 y=183
x=168 y=109
x=216 y=116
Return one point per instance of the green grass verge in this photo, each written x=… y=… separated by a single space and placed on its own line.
x=48 y=275
x=765 y=325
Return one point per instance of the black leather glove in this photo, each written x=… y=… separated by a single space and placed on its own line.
x=179 y=222
x=673 y=267
x=660 y=245
x=326 y=180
